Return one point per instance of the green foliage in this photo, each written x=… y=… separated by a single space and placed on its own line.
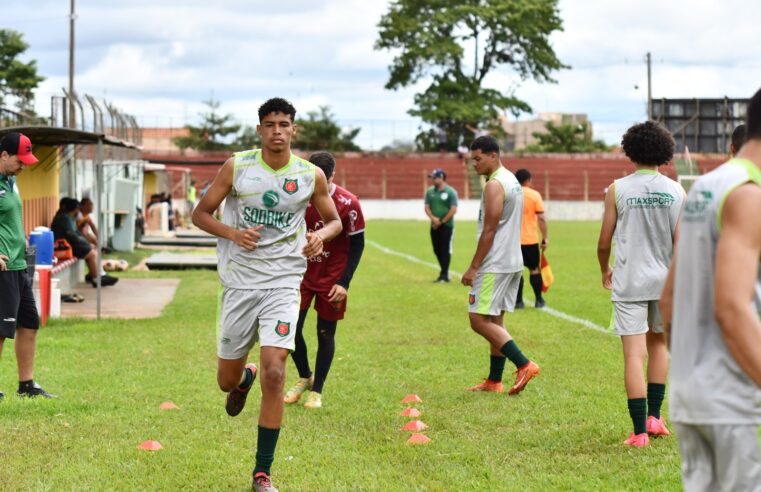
x=17 y=79
x=320 y=131
x=248 y=139
x=212 y=132
x=567 y=139
x=430 y=38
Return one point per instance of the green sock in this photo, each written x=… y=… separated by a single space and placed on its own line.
x=655 y=394
x=512 y=352
x=248 y=379
x=496 y=367
x=265 y=449
x=638 y=413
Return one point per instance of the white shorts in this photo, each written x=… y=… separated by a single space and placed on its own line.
x=636 y=317
x=493 y=293
x=719 y=457
x=248 y=315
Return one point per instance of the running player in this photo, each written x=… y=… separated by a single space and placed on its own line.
x=497 y=266
x=642 y=211
x=262 y=250
x=327 y=282
x=714 y=287
x=533 y=215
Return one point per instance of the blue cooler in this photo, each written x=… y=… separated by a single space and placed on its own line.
x=42 y=239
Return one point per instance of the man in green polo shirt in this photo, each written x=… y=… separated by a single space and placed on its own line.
x=18 y=312
x=440 y=207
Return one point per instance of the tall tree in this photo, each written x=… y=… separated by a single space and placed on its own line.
x=211 y=135
x=566 y=138
x=320 y=131
x=17 y=79
x=430 y=39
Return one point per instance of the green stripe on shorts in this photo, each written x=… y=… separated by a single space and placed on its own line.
x=486 y=294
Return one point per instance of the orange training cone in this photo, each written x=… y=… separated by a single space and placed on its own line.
x=415 y=426
x=412 y=399
x=168 y=405
x=418 y=439
x=150 y=446
x=410 y=412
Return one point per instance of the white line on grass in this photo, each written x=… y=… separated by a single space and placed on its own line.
x=551 y=311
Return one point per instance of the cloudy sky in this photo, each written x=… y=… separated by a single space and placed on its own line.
x=158 y=59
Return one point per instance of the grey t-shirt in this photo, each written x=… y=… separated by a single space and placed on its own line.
x=648 y=205
x=707 y=385
x=505 y=254
x=277 y=200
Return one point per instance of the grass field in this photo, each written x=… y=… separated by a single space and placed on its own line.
x=403 y=334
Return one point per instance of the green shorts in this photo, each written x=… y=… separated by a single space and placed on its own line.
x=246 y=316
x=494 y=293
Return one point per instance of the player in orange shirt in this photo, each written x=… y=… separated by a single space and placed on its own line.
x=533 y=214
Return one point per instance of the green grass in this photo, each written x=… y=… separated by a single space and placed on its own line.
x=403 y=334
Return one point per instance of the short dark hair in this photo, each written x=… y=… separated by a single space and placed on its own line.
x=739 y=136
x=648 y=144
x=325 y=161
x=753 y=122
x=68 y=204
x=486 y=144
x=277 y=105
x=85 y=200
x=522 y=175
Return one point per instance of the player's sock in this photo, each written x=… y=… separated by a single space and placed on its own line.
x=655 y=395
x=638 y=413
x=326 y=348
x=299 y=355
x=248 y=379
x=536 y=284
x=512 y=352
x=24 y=386
x=265 y=449
x=519 y=297
x=496 y=367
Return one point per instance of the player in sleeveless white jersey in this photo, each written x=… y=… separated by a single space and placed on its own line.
x=714 y=293
x=641 y=212
x=262 y=251
x=496 y=267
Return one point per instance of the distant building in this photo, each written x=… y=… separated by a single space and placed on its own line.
x=703 y=125
x=521 y=133
x=159 y=141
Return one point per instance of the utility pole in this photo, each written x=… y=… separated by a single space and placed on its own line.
x=649 y=88
x=72 y=108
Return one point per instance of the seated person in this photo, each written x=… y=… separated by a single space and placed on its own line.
x=64 y=227
x=85 y=223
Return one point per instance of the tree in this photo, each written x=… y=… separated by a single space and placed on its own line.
x=320 y=131
x=248 y=139
x=212 y=132
x=17 y=79
x=431 y=37
x=567 y=139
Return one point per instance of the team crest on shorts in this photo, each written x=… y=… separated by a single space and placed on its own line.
x=282 y=328
x=291 y=186
x=471 y=299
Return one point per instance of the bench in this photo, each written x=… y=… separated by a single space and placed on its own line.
x=69 y=273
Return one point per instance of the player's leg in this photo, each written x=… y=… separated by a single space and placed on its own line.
x=696 y=447
x=531 y=260
x=328 y=315
x=657 y=371
x=301 y=360
x=237 y=328
x=438 y=250
x=446 y=251
x=630 y=323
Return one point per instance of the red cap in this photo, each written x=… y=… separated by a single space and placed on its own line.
x=19 y=145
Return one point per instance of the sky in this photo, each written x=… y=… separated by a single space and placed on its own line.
x=159 y=59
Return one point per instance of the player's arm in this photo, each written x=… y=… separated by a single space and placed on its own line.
x=737 y=256
x=324 y=205
x=605 y=242
x=494 y=201
x=543 y=229
x=338 y=292
x=435 y=222
x=452 y=208
x=203 y=217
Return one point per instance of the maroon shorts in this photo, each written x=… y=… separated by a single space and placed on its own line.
x=327 y=310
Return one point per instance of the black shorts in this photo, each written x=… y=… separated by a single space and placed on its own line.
x=17 y=308
x=80 y=248
x=530 y=256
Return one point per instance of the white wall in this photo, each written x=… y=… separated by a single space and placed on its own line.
x=468 y=210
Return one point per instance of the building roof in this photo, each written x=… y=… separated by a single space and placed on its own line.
x=52 y=136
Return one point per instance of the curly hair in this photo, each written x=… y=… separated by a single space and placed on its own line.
x=277 y=105
x=648 y=144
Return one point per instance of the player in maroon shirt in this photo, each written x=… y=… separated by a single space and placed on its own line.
x=326 y=281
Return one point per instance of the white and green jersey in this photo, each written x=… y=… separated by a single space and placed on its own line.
x=706 y=384
x=505 y=254
x=648 y=205
x=277 y=200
